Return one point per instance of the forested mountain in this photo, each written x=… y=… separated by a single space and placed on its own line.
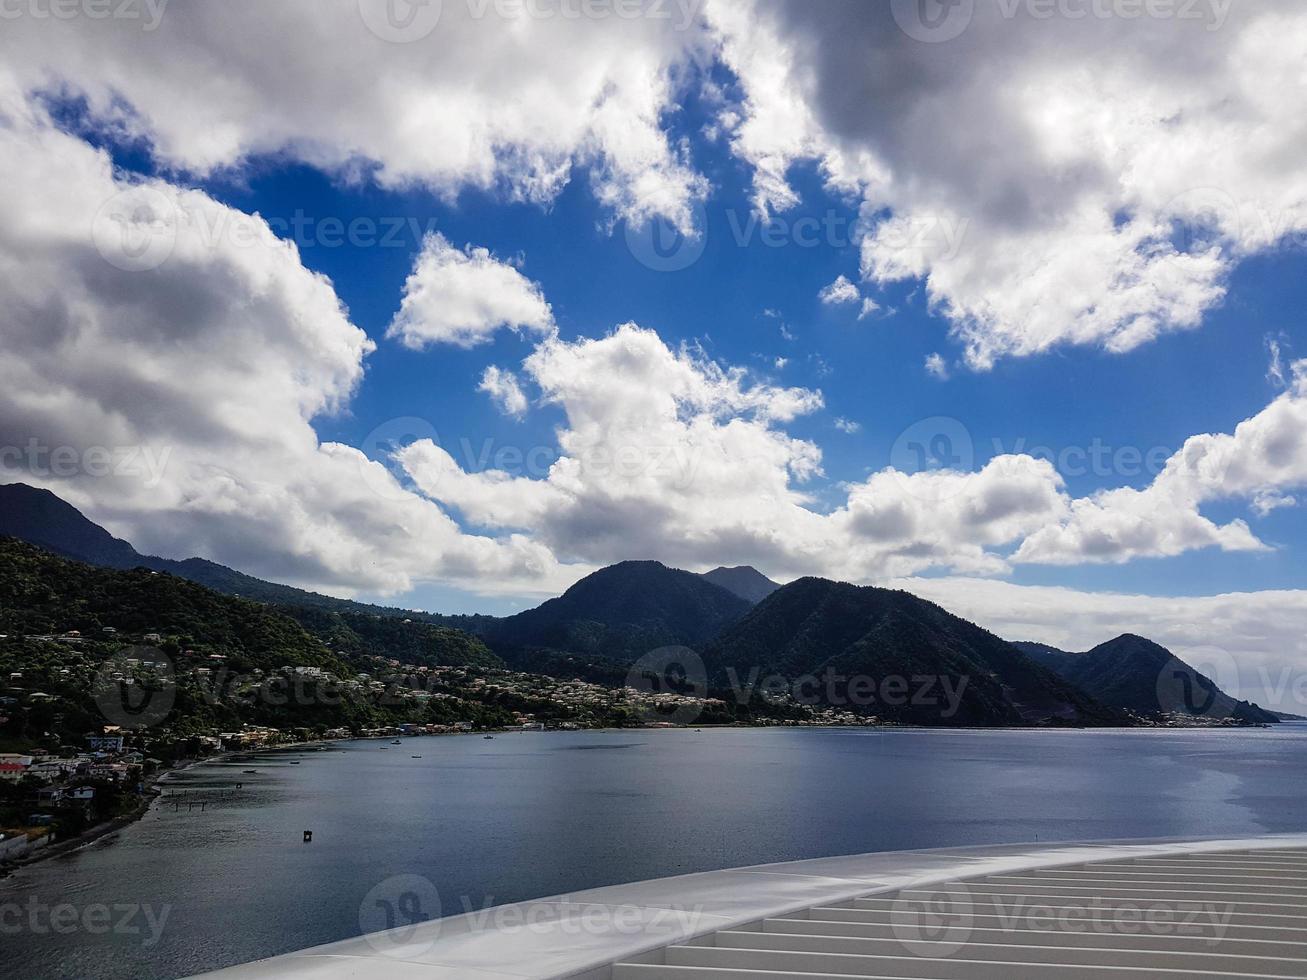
x=859 y=635
x=621 y=613
x=1135 y=674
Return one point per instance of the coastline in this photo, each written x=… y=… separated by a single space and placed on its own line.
x=154 y=789
x=153 y=792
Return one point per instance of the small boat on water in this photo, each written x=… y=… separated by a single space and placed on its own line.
x=294 y=763
x=396 y=742
x=250 y=772
x=417 y=757
x=488 y=737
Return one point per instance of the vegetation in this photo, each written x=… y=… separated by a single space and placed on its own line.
x=620 y=613
x=860 y=636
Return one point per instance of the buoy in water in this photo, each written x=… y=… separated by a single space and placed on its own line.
x=308 y=837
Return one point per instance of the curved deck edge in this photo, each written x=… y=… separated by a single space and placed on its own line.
x=581 y=935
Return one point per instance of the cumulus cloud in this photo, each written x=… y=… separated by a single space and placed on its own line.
x=937 y=367
x=848 y=426
x=464 y=97
x=462 y=296
x=1265 y=455
x=502 y=386
x=1053 y=180
x=667 y=454
x=1253 y=644
x=174 y=355
x=843 y=291
x=840 y=291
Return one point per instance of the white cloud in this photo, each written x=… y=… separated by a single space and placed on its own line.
x=1265 y=454
x=1254 y=644
x=1275 y=370
x=936 y=367
x=502 y=386
x=1266 y=501
x=840 y=291
x=1053 y=180
x=668 y=455
x=848 y=426
x=479 y=100
x=869 y=306
x=174 y=402
x=462 y=297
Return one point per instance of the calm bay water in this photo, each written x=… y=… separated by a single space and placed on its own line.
x=524 y=816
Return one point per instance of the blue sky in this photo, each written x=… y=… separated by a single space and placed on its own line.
x=1069 y=236
x=751 y=300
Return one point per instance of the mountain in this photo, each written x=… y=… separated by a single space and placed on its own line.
x=43 y=594
x=894 y=655
x=1138 y=675
x=621 y=613
x=46 y=520
x=744 y=580
x=78 y=645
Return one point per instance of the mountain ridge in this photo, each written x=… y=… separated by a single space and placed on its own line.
x=744 y=580
x=815 y=626
x=1136 y=674
x=621 y=612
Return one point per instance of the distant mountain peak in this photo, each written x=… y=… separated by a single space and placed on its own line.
x=744 y=580
x=1137 y=674
x=623 y=611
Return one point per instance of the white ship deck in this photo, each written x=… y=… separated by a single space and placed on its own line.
x=1121 y=910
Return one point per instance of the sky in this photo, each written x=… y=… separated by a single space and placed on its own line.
x=449 y=304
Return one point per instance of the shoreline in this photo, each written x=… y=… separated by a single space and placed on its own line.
x=154 y=789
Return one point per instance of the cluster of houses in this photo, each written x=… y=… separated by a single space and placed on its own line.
x=105 y=758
